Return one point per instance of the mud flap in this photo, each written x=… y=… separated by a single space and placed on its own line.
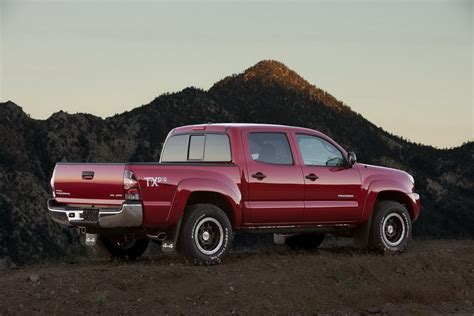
x=169 y=244
x=279 y=239
x=361 y=235
x=88 y=239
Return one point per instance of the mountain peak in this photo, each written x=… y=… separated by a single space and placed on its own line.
x=268 y=67
x=11 y=108
x=275 y=72
x=10 y=104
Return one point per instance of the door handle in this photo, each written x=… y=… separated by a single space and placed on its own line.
x=259 y=176
x=87 y=175
x=311 y=177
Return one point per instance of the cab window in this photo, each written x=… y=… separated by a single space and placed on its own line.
x=272 y=148
x=318 y=152
x=176 y=149
x=209 y=147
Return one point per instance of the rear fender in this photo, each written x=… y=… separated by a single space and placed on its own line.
x=184 y=189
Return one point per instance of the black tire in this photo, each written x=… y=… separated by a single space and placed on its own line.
x=305 y=241
x=205 y=235
x=391 y=227
x=120 y=247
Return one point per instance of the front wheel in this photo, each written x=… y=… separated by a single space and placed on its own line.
x=206 y=234
x=391 y=227
x=123 y=246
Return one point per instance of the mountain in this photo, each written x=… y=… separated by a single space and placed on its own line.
x=268 y=92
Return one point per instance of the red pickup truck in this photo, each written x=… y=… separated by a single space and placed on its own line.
x=214 y=179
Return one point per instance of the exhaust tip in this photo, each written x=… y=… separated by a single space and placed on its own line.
x=160 y=236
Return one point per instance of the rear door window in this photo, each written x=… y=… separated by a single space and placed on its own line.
x=217 y=148
x=272 y=148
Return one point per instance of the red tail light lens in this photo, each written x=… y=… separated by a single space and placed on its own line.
x=132 y=194
x=52 y=182
x=130 y=184
x=129 y=180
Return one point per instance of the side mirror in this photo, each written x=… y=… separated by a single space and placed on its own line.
x=351 y=158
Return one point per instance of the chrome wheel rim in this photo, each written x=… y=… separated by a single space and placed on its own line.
x=208 y=235
x=394 y=229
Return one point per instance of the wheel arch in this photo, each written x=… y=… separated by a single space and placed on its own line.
x=211 y=197
x=196 y=191
x=396 y=196
x=386 y=190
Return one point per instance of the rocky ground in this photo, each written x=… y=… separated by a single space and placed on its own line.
x=432 y=277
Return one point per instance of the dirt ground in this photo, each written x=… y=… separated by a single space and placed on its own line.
x=432 y=277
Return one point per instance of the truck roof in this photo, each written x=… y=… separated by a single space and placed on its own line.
x=223 y=127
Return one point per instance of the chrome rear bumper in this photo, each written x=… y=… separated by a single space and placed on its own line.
x=129 y=215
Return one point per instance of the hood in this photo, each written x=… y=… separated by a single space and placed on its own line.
x=386 y=171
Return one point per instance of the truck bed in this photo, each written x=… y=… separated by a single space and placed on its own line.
x=79 y=186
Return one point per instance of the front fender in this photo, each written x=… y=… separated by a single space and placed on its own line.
x=230 y=191
x=377 y=186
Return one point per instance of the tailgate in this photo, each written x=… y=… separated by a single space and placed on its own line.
x=88 y=183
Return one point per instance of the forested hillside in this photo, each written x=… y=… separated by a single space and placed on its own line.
x=268 y=92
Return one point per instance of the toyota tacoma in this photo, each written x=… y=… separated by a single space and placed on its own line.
x=215 y=179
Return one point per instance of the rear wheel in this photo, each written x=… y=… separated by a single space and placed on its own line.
x=391 y=227
x=305 y=241
x=206 y=234
x=123 y=246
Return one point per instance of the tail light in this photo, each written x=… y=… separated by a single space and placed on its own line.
x=132 y=195
x=52 y=182
x=130 y=185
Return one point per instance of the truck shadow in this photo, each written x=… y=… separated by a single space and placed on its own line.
x=256 y=253
x=241 y=251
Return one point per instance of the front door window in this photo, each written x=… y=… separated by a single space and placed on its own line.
x=319 y=152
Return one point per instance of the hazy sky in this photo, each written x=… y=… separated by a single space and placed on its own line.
x=407 y=67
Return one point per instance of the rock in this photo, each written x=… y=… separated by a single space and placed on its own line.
x=7 y=263
x=435 y=188
x=4 y=263
x=13 y=265
x=72 y=261
x=275 y=266
x=34 y=277
x=373 y=310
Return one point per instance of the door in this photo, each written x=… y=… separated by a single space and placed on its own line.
x=275 y=180
x=332 y=190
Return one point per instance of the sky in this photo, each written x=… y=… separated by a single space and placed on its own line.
x=406 y=66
